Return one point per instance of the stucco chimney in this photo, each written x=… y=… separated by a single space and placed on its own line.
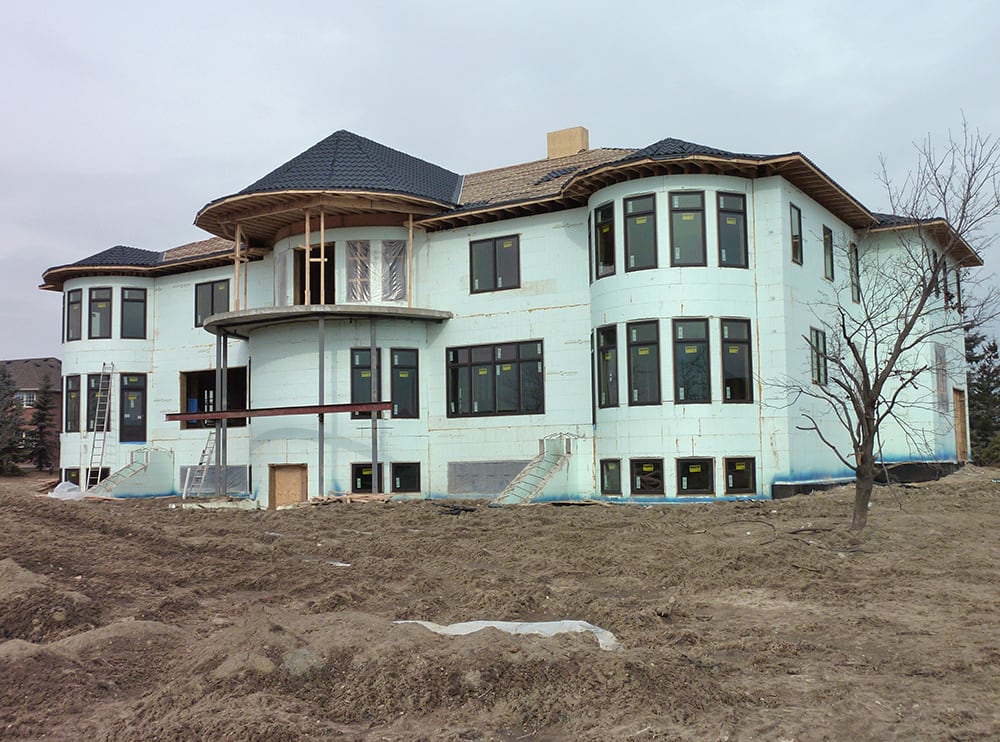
x=568 y=141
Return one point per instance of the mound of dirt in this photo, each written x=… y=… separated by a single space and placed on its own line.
x=134 y=620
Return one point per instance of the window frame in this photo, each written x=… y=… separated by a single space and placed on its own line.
x=637 y=490
x=828 y=266
x=495 y=278
x=197 y=381
x=608 y=384
x=394 y=467
x=628 y=221
x=607 y=465
x=631 y=344
x=722 y=213
x=92 y=299
x=675 y=260
x=93 y=393
x=819 y=372
x=71 y=421
x=396 y=369
x=74 y=320
x=602 y=270
x=684 y=471
x=751 y=468
x=724 y=324
x=461 y=361
x=213 y=286
x=125 y=303
x=854 y=266
x=356 y=388
x=132 y=383
x=680 y=393
x=357 y=469
x=795 y=232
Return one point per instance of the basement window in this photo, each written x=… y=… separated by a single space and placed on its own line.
x=695 y=477
x=647 y=476
x=740 y=476
x=611 y=476
x=405 y=477
x=361 y=478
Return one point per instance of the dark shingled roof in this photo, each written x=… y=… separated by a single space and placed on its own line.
x=669 y=148
x=27 y=373
x=346 y=161
x=121 y=255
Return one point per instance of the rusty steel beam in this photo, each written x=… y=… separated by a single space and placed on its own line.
x=312 y=409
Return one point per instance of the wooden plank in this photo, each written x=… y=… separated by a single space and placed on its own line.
x=314 y=409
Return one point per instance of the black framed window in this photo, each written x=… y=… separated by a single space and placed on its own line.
x=607 y=366
x=852 y=257
x=796 y=233
x=604 y=239
x=687 y=228
x=361 y=478
x=403 y=385
x=495 y=264
x=132 y=410
x=100 y=314
x=640 y=232
x=643 y=362
x=695 y=477
x=817 y=355
x=611 y=476
x=827 y=253
x=647 y=476
x=134 y=314
x=197 y=392
x=93 y=395
x=361 y=378
x=737 y=365
x=732 y=230
x=691 y=367
x=502 y=379
x=958 y=289
x=405 y=477
x=740 y=476
x=71 y=417
x=210 y=298
x=74 y=314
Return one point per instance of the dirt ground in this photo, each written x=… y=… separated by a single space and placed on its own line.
x=737 y=621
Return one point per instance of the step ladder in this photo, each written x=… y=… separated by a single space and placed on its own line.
x=99 y=424
x=196 y=475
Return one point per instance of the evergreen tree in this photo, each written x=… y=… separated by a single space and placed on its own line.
x=11 y=419
x=984 y=399
x=41 y=426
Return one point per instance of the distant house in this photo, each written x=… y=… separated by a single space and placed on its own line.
x=599 y=323
x=27 y=374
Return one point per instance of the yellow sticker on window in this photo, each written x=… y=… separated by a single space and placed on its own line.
x=605 y=229
x=641 y=220
x=607 y=356
x=740 y=466
x=690 y=348
x=644 y=351
x=404 y=374
x=365 y=374
x=366 y=472
x=506 y=367
x=695 y=468
x=483 y=372
x=730 y=220
x=687 y=217
x=612 y=467
x=648 y=467
x=507 y=243
x=734 y=349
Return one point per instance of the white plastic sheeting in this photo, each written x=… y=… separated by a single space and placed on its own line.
x=393 y=270
x=605 y=638
x=67 y=491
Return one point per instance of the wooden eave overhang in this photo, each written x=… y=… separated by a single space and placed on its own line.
x=575 y=192
x=54 y=278
x=945 y=235
x=261 y=216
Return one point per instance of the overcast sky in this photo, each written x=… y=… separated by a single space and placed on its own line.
x=120 y=120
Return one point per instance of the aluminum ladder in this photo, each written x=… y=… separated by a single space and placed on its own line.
x=99 y=424
x=196 y=475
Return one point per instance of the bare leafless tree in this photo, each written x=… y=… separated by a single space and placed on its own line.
x=892 y=328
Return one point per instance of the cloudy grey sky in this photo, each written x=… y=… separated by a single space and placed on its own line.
x=121 y=119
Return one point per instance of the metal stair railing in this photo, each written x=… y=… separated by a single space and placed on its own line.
x=533 y=477
x=196 y=475
x=99 y=424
